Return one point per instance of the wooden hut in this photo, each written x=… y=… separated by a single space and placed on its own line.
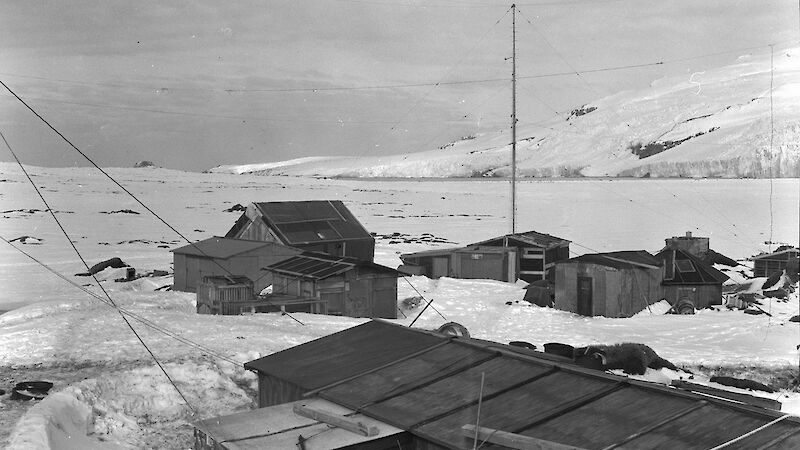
x=220 y=257
x=687 y=278
x=493 y=263
x=616 y=284
x=334 y=285
x=783 y=258
x=537 y=253
x=528 y=256
x=325 y=226
x=428 y=390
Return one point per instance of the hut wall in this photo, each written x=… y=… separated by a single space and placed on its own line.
x=180 y=281
x=764 y=267
x=274 y=391
x=632 y=291
x=702 y=295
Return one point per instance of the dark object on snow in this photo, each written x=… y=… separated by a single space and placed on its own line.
x=453 y=329
x=120 y=211
x=557 y=348
x=541 y=293
x=795 y=319
x=772 y=280
x=684 y=306
x=236 y=207
x=30 y=390
x=141 y=164
x=522 y=344
x=777 y=293
x=115 y=262
x=741 y=383
x=753 y=312
x=632 y=358
x=2 y=392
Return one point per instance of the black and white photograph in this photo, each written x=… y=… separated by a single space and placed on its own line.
x=399 y=224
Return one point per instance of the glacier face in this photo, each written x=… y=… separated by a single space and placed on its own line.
x=725 y=122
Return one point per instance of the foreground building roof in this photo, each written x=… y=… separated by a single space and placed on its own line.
x=431 y=385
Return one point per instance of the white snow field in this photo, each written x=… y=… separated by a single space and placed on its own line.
x=725 y=118
x=107 y=384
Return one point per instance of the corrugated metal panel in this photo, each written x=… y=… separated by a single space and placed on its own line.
x=218 y=247
x=608 y=420
x=514 y=410
x=394 y=380
x=342 y=355
x=453 y=392
x=311 y=267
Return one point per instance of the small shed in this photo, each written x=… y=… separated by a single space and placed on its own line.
x=343 y=286
x=325 y=226
x=220 y=257
x=784 y=257
x=225 y=295
x=537 y=253
x=687 y=278
x=493 y=263
x=615 y=284
x=434 y=387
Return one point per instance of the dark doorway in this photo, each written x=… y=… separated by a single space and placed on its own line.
x=585 y=296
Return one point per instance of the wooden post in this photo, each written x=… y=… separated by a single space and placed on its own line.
x=512 y=440
x=335 y=420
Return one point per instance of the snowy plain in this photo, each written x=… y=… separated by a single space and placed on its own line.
x=107 y=383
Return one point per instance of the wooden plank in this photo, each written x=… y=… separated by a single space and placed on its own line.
x=512 y=440
x=335 y=420
x=728 y=395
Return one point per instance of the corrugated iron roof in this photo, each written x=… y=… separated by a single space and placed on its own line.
x=619 y=260
x=430 y=385
x=312 y=221
x=318 y=266
x=533 y=238
x=221 y=248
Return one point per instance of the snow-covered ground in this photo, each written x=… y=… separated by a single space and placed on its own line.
x=725 y=120
x=105 y=381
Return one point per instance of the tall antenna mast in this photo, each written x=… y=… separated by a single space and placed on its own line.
x=513 y=118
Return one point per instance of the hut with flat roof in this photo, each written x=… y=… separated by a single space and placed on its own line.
x=615 y=284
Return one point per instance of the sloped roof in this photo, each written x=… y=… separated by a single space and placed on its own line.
x=693 y=271
x=307 y=221
x=318 y=266
x=533 y=238
x=221 y=247
x=430 y=385
x=619 y=260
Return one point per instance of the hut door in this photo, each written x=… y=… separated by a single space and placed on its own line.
x=440 y=267
x=585 y=296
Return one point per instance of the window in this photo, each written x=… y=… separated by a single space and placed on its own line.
x=684 y=265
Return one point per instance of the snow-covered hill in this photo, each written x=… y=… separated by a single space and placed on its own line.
x=716 y=123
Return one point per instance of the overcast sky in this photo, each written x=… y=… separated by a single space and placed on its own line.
x=193 y=84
